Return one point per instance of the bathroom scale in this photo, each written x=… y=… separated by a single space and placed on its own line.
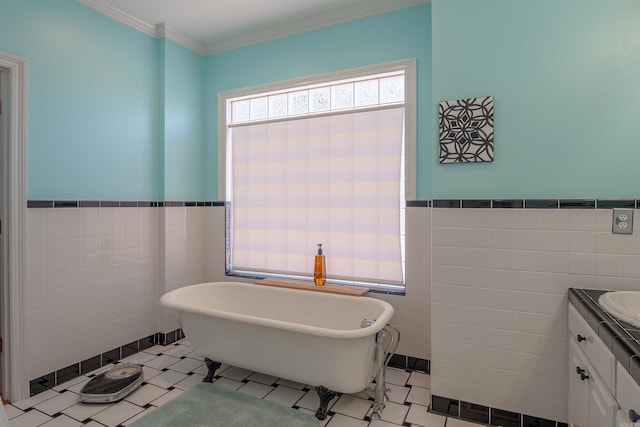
x=112 y=385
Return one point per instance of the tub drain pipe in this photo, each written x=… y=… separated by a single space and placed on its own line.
x=383 y=356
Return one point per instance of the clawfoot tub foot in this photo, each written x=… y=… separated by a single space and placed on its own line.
x=325 y=396
x=212 y=366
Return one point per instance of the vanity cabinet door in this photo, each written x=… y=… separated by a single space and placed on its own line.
x=627 y=395
x=578 y=395
x=602 y=406
x=590 y=404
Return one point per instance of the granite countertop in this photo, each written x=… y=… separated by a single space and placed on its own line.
x=620 y=337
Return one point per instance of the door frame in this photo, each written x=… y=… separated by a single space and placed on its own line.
x=15 y=382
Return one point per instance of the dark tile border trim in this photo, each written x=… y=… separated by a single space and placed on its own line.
x=116 y=204
x=409 y=363
x=485 y=415
x=446 y=203
x=418 y=203
x=476 y=204
x=526 y=203
x=63 y=375
x=436 y=203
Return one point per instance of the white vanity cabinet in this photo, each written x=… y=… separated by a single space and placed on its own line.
x=591 y=377
x=628 y=397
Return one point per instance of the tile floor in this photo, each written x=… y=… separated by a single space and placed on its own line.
x=171 y=370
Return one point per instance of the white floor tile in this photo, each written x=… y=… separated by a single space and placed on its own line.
x=178 y=351
x=285 y=396
x=149 y=372
x=145 y=394
x=12 y=411
x=351 y=406
x=418 y=415
x=397 y=394
x=161 y=362
x=419 y=395
x=234 y=373
x=339 y=420
x=84 y=411
x=203 y=370
x=454 y=422
x=420 y=379
x=394 y=412
x=255 y=389
x=189 y=382
x=186 y=365
x=62 y=421
x=93 y=424
x=140 y=415
x=262 y=378
x=167 y=378
x=167 y=397
x=118 y=413
x=156 y=349
x=396 y=376
x=291 y=384
x=381 y=423
x=311 y=401
x=30 y=419
x=34 y=400
x=139 y=358
x=58 y=403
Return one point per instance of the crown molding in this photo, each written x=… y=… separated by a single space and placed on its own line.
x=276 y=30
x=165 y=32
x=119 y=15
x=362 y=9
x=158 y=31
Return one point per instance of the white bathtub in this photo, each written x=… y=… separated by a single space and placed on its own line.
x=312 y=338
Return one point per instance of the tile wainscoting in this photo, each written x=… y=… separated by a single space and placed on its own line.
x=96 y=269
x=501 y=271
x=91 y=364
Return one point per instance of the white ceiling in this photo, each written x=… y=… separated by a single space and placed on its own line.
x=210 y=26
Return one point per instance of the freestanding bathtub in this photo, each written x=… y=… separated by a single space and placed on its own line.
x=314 y=338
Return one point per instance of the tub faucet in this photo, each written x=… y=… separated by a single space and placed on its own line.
x=367 y=322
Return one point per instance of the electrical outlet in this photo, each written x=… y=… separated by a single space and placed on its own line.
x=622 y=222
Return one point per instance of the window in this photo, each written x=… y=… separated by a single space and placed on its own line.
x=321 y=160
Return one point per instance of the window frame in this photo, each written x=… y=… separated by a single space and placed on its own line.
x=410 y=125
x=407 y=66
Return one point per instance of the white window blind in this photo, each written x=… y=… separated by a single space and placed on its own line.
x=333 y=179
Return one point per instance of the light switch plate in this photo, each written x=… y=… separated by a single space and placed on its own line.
x=622 y=222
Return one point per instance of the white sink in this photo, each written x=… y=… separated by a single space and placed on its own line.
x=622 y=305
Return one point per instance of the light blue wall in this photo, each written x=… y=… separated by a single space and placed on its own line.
x=114 y=114
x=396 y=35
x=91 y=101
x=183 y=123
x=566 y=80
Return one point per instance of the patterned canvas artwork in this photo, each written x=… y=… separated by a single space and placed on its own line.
x=466 y=130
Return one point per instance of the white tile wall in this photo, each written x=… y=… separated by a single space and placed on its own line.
x=183 y=255
x=91 y=282
x=499 y=307
x=94 y=276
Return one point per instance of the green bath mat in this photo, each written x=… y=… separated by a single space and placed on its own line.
x=209 y=405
